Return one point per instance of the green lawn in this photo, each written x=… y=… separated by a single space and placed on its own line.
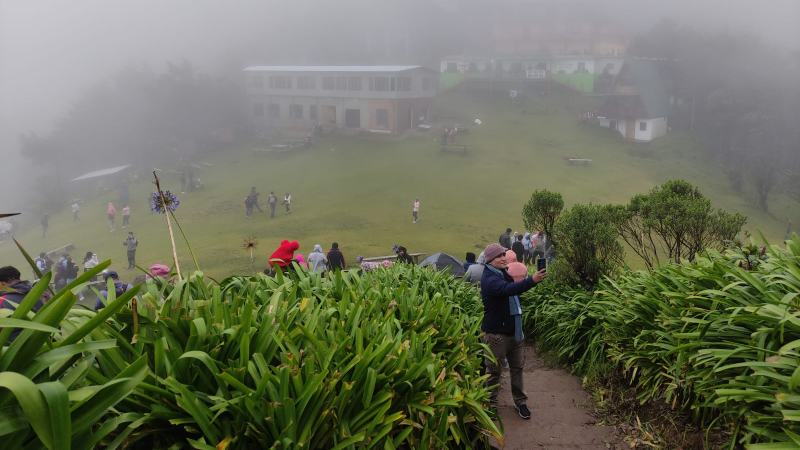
x=358 y=190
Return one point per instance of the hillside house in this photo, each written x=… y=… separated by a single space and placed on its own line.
x=639 y=104
x=387 y=99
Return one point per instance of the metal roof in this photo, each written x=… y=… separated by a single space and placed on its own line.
x=330 y=68
x=102 y=172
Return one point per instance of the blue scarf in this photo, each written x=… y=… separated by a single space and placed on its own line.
x=514 y=308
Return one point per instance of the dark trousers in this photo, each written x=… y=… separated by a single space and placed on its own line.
x=272 y=210
x=131 y=259
x=507 y=347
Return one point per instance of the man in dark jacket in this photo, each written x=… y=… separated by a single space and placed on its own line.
x=502 y=323
x=335 y=257
x=12 y=289
x=519 y=248
x=505 y=239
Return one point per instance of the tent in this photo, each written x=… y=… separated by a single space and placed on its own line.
x=442 y=261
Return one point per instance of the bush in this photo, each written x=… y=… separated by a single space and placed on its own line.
x=710 y=337
x=587 y=245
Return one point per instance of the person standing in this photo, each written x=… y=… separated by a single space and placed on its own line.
x=317 y=261
x=45 y=223
x=272 y=200
x=502 y=323
x=111 y=214
x=505 y=239
x=76 y=208
x=415 y=210
x=335 y=257
x=254 y=199
x=403 y=256
x=130 y=244
x=287 y=201
x=43 y=263
x=519 y=248
x=90 y=261
x=126 y=216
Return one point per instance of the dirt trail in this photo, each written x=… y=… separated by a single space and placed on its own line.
x=561 y=412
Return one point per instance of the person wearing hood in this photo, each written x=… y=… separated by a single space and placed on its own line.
x=282 y=257
x=502 y=324
x=300 y=260
x=335 y=257
x=13 y=289
x=317 y=262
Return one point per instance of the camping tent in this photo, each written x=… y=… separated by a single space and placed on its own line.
x=442 y=261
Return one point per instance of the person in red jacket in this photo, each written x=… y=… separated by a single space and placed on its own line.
x=282 y=257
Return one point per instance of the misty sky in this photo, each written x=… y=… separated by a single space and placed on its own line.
x=52 y=50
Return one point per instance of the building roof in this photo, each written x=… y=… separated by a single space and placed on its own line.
x=102 y=172
x=640 y=92
x=330 y=68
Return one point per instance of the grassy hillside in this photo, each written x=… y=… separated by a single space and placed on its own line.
x=358 y=190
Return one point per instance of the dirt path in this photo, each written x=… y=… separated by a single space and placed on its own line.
x=561 y=412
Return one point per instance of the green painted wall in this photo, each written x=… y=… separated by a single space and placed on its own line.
x=583 y=82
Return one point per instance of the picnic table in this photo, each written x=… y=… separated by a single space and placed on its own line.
x=454 y=148
x=414 y=256
x=579 y=161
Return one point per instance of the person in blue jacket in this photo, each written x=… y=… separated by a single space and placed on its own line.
x=502 y=323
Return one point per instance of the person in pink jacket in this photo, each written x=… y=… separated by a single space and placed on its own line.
x=111 y=213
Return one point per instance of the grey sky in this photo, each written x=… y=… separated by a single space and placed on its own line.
x=51 y=50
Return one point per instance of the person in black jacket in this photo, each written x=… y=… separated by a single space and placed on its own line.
x=518 y=248
x=335 y=257
x=502 y=323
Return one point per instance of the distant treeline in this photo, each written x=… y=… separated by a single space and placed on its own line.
x=741 y=97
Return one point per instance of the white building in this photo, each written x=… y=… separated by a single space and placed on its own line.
x=380 y=98
x=639 y=105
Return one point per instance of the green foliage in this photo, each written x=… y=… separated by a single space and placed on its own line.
x=51 y=395
x=542 y=210
x=349 y=360
x=387 y=359
x=587 y=245
x=674 y=222
x=710 y=337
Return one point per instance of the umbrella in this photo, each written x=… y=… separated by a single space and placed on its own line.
x=442 y=261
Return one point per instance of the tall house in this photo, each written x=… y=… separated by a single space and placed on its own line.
x=387 y=99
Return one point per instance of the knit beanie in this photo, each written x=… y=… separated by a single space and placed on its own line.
x=284 y=254
x=492 y=251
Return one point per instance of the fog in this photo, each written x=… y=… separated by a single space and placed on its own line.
x=52 y=52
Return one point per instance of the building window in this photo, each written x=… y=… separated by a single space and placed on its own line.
x=258 y=109
x=257 y=81
x=379 y=84
x=404 y=84
x=280 y=82
x=451 y=67
x=312 y=112
x=382 y=118
x=328 y=83
x=642 y=126
x=296 y=111
x=306 y=82
x=354 y=84
x=274 y=110
x=341 y=83
x=352 y=118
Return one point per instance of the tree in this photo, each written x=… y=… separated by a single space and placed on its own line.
x=588 y=246
x=674 y=222
x=542 y=210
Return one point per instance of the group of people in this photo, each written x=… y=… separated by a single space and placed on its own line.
x=317 y=261
x=111 y=215
x=251 y=203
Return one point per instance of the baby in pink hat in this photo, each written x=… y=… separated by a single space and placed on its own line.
x=516 y=269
